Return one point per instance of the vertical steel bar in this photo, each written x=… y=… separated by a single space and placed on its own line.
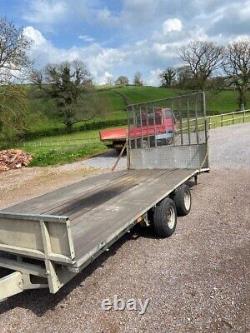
x=135 y=126
x=207 y=126
x=196 y=121
x=180 y=115
x=130 y=113
x=188 y=121
x=141 y=128
x=172 y=108
x=154 y=126
x=147 y=124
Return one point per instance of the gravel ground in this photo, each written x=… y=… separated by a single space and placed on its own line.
x=196 y=281
x=229 y=148
x=23 y=184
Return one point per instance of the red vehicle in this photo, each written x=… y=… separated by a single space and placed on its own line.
x=160 y=127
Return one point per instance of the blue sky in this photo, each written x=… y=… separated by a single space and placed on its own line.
x=124 y=36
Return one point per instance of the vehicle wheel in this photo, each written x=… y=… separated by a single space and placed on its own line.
x=161 y=142
x=183 y=200
x=165 y=218
x=170 y=141
x=118 y=150
x=145 y=144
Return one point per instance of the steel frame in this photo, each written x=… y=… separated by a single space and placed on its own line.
x=192 y=133
x=53 y=269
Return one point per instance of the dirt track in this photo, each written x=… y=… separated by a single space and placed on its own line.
x=197 y=280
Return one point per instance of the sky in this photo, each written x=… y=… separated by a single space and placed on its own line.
x=121 y=37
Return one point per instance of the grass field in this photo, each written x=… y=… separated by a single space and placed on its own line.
x=59 y=149
x=42 y=115
x=72 y=147
x=64 y=148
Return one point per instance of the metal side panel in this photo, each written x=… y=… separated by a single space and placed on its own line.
x=47 y=239
x=170 y=157
x=11 y=285
x=36 y=236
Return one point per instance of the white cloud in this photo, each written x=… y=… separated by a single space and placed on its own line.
x=230 y=19
x=45 y=11
x=149 y=46
x=100 y=61
x=170 y=25
x=104 y=62
x=104 y=59
x=106 y=78
x=154 y=77
x=35 y=36
x=244 y=12
x=104 y=15
x=86 y=38
x=240 y=38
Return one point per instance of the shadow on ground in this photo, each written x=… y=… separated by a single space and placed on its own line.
x=29 y=299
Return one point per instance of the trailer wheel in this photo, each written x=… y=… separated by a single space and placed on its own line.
x=183 y=200
x=165 y=218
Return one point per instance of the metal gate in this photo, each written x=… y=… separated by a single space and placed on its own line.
x=169 y=133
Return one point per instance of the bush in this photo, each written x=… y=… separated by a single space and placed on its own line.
x=94 y=125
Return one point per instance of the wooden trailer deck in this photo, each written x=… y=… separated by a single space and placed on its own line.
x=101 y=207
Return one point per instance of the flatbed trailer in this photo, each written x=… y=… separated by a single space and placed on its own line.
x=46 y=241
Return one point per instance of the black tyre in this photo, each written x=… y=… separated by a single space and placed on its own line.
x=165 y=218
x=183 y=200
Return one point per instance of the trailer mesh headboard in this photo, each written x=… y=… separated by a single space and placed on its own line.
x=168 y=133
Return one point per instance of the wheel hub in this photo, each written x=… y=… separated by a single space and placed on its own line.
x=187 y=201
x=171 y=218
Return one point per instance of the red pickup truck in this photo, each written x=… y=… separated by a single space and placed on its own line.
x=160 y=127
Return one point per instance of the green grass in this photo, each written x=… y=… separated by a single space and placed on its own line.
x=72 y=147
x=67 y=148
x=223 y=102
x=64 y=148
x=42 y=115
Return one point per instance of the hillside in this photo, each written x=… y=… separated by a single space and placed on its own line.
x=49 y=144
x=42 y=118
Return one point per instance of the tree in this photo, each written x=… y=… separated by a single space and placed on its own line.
x=203 y=58
x=13 y=62
x=122 y=81
x=184 y=77
x=70 y=85
x=168 y=77
x=138 y=79
x=13 y=111
x=236 y=64
x=13 y=52
x=216 y=83
x=109 y=81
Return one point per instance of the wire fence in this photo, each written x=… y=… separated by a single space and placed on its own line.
x=230 y=118
x=50 y=143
